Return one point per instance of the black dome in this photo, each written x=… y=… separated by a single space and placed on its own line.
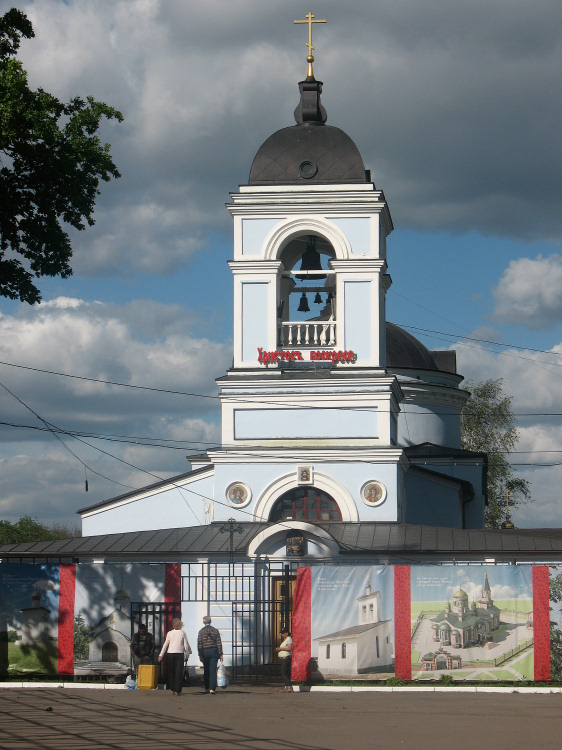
x=404 y=350
x=308 y=153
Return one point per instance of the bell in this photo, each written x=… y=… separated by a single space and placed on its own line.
x=318 y=299
x=303 y=304
x=311 y=261
x=330 y=297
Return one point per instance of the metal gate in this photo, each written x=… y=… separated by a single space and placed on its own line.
x=260 y=596
x=157 y=616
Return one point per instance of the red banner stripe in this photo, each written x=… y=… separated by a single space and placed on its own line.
x=402 y=623
x=301 y=627
x=67 y=589
x=172 y=582
x=541 y=622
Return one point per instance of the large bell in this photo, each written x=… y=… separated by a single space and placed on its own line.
x=303 y=304
x=311 y=261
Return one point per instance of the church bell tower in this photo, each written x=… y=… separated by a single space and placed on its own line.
x=308 y=381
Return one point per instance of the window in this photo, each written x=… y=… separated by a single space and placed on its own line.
x=328 y=651
x=377 y=645
x=305 y=504
x=343 y=651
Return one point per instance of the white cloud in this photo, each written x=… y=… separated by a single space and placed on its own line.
x=140 y=344
x=528 y=293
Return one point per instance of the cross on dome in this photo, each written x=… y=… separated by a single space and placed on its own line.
x=310 y=19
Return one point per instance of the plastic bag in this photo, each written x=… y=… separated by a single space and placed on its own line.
x=130 y=683
x=222 y=679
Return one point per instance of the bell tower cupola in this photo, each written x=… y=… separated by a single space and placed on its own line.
x=310 y=229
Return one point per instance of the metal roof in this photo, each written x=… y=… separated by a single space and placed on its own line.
x=400 y=541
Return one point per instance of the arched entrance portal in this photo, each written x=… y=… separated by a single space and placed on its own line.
x=305 y=504
x=109 y=651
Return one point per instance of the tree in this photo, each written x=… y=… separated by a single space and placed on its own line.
x=82 y=637
x=27 y=529
x=488 y=424
x=51 y=162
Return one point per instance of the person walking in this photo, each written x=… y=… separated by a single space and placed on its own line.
x=285 y=653
x=175 y=647
x=209 y=648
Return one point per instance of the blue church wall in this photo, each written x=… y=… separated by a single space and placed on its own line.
x=437 y=425
x=357 y=232
x=172 y=508
x=352 y=476
x=432 y=503
x=254 y=232
x=358 y=324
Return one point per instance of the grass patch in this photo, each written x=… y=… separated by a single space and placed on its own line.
x=40 y=658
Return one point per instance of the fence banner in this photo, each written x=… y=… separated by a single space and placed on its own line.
x=352 y=620
x=555 y=616
x=301 y=666
x=102 y=613
x=29 y=616
x=472 y=621
x=67 y=592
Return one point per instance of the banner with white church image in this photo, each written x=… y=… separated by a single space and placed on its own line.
x=103 y=617
x=29 y=610
x=473 y=622
x=352 y=621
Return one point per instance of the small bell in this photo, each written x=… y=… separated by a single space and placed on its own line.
x=318 y=299
x=303 y=304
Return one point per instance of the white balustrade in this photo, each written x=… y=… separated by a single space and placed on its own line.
x=306 y=333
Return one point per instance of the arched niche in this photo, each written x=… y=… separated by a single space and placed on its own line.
x=274 y=538
x=322 y=482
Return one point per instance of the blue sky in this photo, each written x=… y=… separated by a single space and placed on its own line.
x=455 y=108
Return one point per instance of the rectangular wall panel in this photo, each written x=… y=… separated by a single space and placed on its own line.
x=254 y=319
x=305 y=423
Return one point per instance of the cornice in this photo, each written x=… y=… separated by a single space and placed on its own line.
x=247 y=454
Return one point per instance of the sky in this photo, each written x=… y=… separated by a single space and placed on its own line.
x=455 y=108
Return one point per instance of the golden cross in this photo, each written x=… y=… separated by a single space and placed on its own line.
x=507 y=496
x=310 y=19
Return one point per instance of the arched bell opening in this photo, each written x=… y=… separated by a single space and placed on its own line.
x=305 y=504
x=306 y=305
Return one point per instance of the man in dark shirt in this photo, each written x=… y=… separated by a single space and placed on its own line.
x=209 y=648
x=142 y=647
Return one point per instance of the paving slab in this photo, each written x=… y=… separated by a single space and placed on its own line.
x=263 y=717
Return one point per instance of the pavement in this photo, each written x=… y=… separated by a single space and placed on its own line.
x=262 y=717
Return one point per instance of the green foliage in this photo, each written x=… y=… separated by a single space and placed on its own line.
x=488 y=425
x=395 y=682
x=81 y=637
x=51 y=162
x=28 y=529
x=9 y=636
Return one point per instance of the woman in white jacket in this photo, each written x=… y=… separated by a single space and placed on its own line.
x=175 y=647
